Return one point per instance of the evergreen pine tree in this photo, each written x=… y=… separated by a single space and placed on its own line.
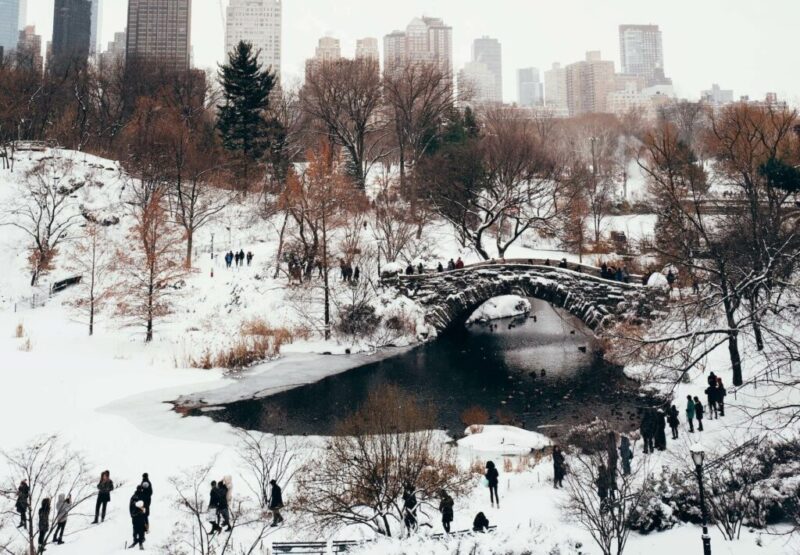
x=243 y=120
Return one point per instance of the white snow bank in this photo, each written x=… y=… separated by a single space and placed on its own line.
x=507 y=440
x=501 y=307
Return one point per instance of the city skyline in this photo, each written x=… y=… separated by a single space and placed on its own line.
x=696 y=54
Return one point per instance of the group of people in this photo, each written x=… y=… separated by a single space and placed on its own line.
x=349 y=274
x=420 y=269
x=614 y=273
x=238 y=258
x=446 y=504
x=63 y=507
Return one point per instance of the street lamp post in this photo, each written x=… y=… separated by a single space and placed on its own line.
x=698 y=456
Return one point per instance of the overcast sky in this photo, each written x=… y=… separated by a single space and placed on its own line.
x=745 y=45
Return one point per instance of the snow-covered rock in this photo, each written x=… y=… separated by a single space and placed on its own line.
x=506 y=440
x=657 y=281
x=501 y=307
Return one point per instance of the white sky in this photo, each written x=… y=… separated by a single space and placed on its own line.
x=745 y=45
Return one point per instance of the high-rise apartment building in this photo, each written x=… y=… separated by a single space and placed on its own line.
x=529 y=87
x=115 y=52
x=367 y=49
x=641 y=52
x=490 y=52
x=476 y=82
x=555 y=88
x=328 y=49
x=588 y=84
x=258 y=22
x=425 y=40
x=29 y=49
x=717 y=96
x=10 y=18
x=159 y=32
x=97 y=19
x=72 y=32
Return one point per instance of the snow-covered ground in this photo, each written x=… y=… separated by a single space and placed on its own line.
x=108 y=395
x=504 y=306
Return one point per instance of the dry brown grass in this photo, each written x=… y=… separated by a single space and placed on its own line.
x=26 y=346
x=257 y=341
x=19 y=332
x=508 y=465
x=477 y=467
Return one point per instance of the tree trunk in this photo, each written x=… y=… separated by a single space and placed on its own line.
x=733 y=345
x=91 y=317
x=280 y=246
x=189 y=242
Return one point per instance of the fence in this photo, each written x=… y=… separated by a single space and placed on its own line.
x=40 y=299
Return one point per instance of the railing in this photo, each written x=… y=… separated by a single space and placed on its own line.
x=332 y=547
x=40 y=299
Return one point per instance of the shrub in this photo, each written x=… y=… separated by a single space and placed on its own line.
x=358 y=320
x=258 y=341
x=19 y=333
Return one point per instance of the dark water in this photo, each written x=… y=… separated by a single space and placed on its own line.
x=496 y=366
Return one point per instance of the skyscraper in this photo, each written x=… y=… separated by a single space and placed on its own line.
x=114 y=53
x=555 y=88
x=258 y=22
x=72 y=31
x=588 y=84
x=529 y=87
x=490 y=52
x=10 y=16
x=328 y=49
x=29 y=49
x=367 y=49
x=641 y=52
x=425 y=40
x=159 y=32
x=97 y=18
x=477 y=83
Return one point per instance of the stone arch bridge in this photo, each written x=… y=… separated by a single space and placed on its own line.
x=449 y=298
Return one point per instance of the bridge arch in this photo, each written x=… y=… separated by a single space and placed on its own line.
x=448 y=298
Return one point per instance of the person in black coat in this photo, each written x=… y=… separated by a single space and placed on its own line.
x=481 y=523
x=721 y=393
x=409 y=270
x=222 y=505
x=409 y=507
x=711 y=397
x=139 y=523
x=698 y=413
x=275 y=502
x=559 y=467
x=493 y=479
x=23 y=500
x=213 y=509
x=674 y=421
x=446 y=508
x=648 y=431
x=661 y=430
x=104 y=488
x=135 y=498
x=146 y=496
x=44 y=522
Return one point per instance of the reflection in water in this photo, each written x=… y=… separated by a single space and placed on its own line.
x=535 y=372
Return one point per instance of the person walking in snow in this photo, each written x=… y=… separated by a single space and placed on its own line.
x=104 y=488
x=275 y=502
x=602 y=486
x=241 y=257
x=139 y=524
x=63 y=507
x=356 y=274
x=249 y=258
x=147 y=496
x=459 y=264
x=420 y=269
x=23 y=500
x=690 y=413
x=721 y=393
x=711 y=398
x=446 y=508
x=44 y=523
x=480 y=524
x=625 y=455
x=672 y=419
x=409 y=508
x=493 y=479
x=611 y=451
x=213 y=509
x=559 y=467
x=439 y=268
x=698 y=413
x=223 y=508
x=648 y=431
x=712 y=380
x=228 y=259
x=451 y=265
x=661 y=430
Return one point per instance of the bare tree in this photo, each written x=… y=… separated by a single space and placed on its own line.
x=92 y=258
x=345 y=97
x=418 y=98
x=150 y=265
x=605 y=518
x=385 y=446
x=42 y=210
x=50 y=467
x=393 y=225
x=249 y=525
x=266 y=458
